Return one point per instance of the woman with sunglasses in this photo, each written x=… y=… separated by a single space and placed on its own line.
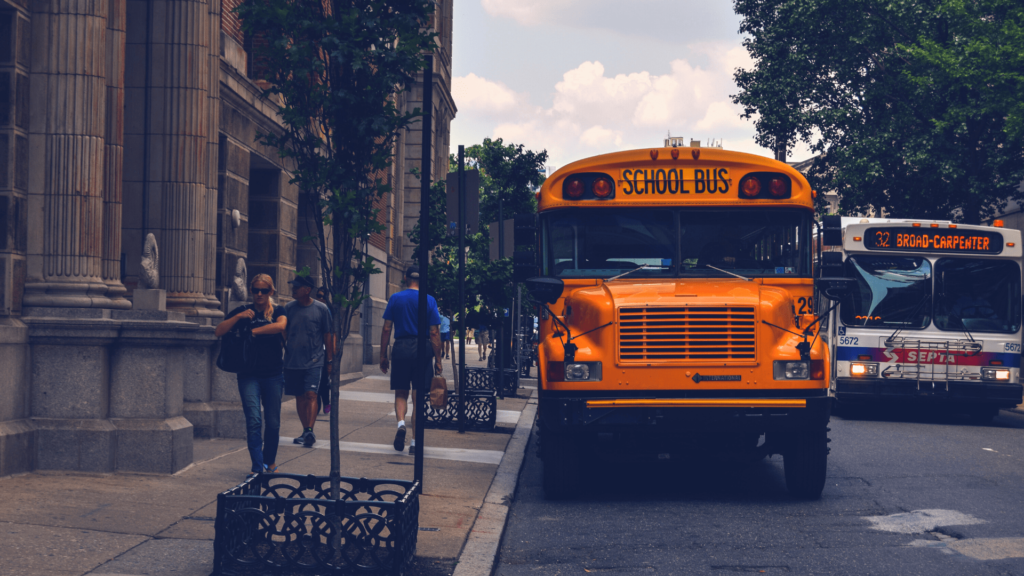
x=263 y=380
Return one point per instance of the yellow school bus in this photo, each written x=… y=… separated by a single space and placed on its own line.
x=679 y=313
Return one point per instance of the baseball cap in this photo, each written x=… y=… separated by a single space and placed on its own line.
x=412 y=272
x=300 y=281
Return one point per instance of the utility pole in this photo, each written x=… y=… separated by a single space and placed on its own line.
x=423 y=364
x=462 y=291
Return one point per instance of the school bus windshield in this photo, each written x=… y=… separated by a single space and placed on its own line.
x=676 y=242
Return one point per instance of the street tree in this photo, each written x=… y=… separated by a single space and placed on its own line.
x=912 y=105
x=333 y=68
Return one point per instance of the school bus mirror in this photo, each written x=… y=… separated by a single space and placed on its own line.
x=832 y=230
x=545 y=289
x=835 y=288
x=524 y=265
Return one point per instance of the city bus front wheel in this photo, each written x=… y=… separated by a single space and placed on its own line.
x=805 y=461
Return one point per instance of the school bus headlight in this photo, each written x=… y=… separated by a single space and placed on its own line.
x=864 y=369
x=995 y=374
x=582 y=371
x=786 y=370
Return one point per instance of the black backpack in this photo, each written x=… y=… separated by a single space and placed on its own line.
x=236 y=350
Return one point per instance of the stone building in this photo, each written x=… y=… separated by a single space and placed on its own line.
x=125 y=118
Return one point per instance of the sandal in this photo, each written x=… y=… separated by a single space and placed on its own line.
x=271 y=470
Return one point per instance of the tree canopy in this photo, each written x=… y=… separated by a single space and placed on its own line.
x=507 y=169
x=334 y=69
x=913 y=106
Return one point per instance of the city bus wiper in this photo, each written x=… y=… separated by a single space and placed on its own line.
x=905 y=322
x=730 y=273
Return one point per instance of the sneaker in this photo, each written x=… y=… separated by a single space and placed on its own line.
x=400 y=439
x=327 y=408
x=412 y=449
x=310 y=440
x=300 y=439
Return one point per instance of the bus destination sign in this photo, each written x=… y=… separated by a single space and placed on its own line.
x=933 y=240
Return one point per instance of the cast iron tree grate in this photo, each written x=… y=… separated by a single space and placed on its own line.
x=481 y=411
x=287 y=524
x=485 y=378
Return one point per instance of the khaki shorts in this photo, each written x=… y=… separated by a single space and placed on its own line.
x=481 y=337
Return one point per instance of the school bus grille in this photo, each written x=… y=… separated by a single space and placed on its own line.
x=686 y=334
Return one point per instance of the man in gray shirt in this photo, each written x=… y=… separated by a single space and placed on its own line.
x=305 y=354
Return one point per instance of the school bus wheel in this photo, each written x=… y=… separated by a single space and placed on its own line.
x=805 y=460
x=560 y=456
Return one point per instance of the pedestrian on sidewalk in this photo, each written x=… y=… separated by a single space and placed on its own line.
x=324 y=393
x=262 y=381
x=308 y=353
x=483 y=336
x=446 y=335
x=402 y=312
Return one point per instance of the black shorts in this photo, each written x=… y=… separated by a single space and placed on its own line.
x=299 y=382
x=403 y=364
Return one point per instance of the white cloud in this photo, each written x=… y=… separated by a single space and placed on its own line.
x=601 y=137
x=528 y=12
x=593 y=112
x=473 y=93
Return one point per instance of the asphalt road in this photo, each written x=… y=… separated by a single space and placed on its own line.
x=701 y=517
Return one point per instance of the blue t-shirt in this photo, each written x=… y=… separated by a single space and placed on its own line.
x=403 y=311
x=446 y=325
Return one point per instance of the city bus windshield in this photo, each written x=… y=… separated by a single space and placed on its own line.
x=977 y=295
x=674 y=242
x=892 y=291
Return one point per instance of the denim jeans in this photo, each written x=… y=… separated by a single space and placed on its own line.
x=253 y=390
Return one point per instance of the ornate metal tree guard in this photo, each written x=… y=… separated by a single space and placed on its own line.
x=288 y=524
x=486 y=378
x=481 y=411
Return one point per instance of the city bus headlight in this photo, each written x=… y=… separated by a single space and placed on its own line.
x=995 y=373
x=864 y=369
x=582 y=371
x=785 y=370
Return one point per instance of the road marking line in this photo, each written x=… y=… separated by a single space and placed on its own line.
x=504 y=416
x=921 y=521
x=458 y=454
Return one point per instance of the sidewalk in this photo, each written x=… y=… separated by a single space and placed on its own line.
x=57 y=523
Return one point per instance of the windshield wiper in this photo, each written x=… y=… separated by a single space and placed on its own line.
x=729 y=273
x=641 y=267
x=906 y=322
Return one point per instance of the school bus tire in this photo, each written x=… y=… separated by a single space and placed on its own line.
x=805 y=462
x=560 y=458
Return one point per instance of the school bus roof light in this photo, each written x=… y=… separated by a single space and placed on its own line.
x=750 y=186
x=777 y=187
x=998 y=223
x=574 y=188
x=654 y=154
x=602 y=188
x=675 y=153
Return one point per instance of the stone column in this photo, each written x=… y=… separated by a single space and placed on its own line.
x=213 y=130
x=178 y=149
x=68 y=146
x=113 y=172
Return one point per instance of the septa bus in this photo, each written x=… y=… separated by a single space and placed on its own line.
x=678 y=313
x=935 y=315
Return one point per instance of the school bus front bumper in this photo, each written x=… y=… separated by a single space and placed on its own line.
x=762 y=411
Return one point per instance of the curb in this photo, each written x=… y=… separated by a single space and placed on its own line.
x=1018 y=409
x=481 y=548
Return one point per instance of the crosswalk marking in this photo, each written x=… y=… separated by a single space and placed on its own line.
x=458 y=454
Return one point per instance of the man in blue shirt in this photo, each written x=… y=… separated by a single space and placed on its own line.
x=402 y=314
x=446 y=335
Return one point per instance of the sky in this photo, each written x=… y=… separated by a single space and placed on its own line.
x=584 y=77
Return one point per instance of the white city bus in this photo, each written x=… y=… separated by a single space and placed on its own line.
x=935 y=315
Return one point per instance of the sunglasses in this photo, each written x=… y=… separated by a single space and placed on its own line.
x=259 y=291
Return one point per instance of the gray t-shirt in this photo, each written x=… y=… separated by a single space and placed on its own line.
x=304 y=347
